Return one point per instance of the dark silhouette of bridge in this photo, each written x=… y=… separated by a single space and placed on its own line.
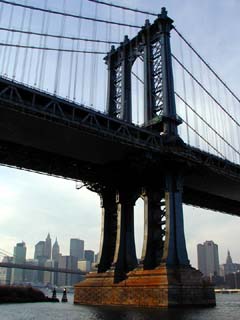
x=122 y=161
x=28 y=266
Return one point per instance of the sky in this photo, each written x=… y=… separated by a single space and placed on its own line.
x=31 y=204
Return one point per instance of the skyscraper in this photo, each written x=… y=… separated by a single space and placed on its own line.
x=208 y=260
x=55 y=258
x=55 y=251
x=19 y=256
x=48 y=247
x=89 y=255
x=39 y=250
x=229 y=266
x=67 y=262
x=77 y=248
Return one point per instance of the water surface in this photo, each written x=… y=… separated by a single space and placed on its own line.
x=228 y=307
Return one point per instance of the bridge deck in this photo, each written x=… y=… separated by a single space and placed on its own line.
x=45 y=133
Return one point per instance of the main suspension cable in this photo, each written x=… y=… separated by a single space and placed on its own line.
x=124 y=8
x=68 y=14
x=51 y=49
x=56 y=36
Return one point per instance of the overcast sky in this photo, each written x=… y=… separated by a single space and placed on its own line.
x=32 y=205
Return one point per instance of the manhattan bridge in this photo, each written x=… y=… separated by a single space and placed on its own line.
x=106 y=100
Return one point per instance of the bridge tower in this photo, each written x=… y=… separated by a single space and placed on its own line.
x=164 y=276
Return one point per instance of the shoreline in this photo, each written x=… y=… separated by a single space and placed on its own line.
x=18 y=294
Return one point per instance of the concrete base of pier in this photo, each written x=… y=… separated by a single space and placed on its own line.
x=161 y=287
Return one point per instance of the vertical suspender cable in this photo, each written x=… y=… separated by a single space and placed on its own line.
x=40 y=52
x=59 y=54
x=93 y=83
x=203 y=103
x=70 y=71
x=44 y=54
x=107 y=37
x=1 y=13
x=19 y=42
x=235 y=132
x=31 y=52
x=227 y=126
x=220 y=123
x=138 y=82
x=5 y=53
x=211 y=112
x=194 y=100
x=77 y=55
x=184 y=91
x=83 y=78
x=26 y=51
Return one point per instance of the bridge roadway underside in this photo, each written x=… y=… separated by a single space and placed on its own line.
x=39 y=144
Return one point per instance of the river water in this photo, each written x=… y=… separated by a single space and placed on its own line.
x=228 y=308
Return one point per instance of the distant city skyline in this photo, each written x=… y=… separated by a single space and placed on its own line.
x=224 y=255
x=46 y=248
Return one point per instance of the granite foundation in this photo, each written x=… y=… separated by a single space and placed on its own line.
x=161 y=287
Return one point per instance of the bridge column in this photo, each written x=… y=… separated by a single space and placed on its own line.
x=112 y=101
x=154 y=228
x=126 y=113
x=175 y=253
x=125 y=258
x=108 y=229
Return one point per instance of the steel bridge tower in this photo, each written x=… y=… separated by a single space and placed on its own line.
x=164 y=276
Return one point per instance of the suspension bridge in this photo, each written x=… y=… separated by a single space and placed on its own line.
x=169 y=133
x=31 y=266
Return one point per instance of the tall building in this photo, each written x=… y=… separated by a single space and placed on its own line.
x=31 y=275
x=39 y=252
x=230 y=266
x=208 y=260
x=40 y=255
x=48 y=277
x=67 y=262
x=55 y=257
x=55 y=251
x=19 y=256
x=77 y=248
x=48 y=247
x=89 y=256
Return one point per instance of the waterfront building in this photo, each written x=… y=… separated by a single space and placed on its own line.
x=77 y=248
x=67 y=262
x=48 y=277
x=19 y=256
x=31 y=275
x=89 y=256
x=208 y=259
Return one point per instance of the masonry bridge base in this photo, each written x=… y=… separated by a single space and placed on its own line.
x=161 y=287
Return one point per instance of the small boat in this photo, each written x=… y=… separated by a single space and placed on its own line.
x=64 y=296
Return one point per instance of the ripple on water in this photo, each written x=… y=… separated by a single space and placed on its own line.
x=228 y=307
